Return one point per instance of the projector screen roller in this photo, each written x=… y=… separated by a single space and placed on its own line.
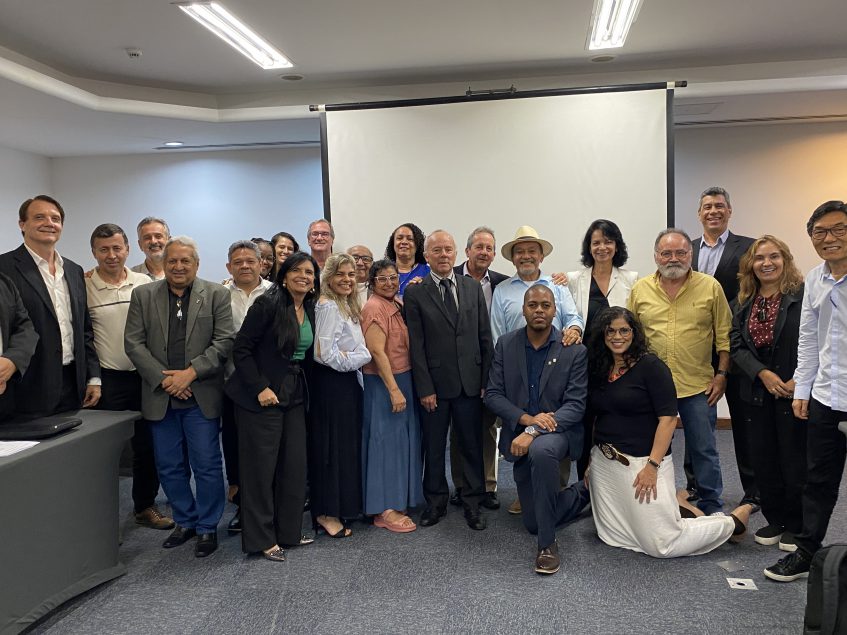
x=554 y=162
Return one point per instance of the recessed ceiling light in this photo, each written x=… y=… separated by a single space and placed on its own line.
x=173 y=144
x=602 y=58
x=234 y=32
x=291 y=78
x=610 y=22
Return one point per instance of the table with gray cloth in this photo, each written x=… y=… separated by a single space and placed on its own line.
x=59 y=519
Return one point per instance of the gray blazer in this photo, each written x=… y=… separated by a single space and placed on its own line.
x=208 y=341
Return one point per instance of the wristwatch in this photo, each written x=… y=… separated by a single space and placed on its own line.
x=531 y=431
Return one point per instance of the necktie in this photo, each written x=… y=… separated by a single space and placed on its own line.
x=449 y=300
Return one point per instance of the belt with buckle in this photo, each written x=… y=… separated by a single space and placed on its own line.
x=611 y=453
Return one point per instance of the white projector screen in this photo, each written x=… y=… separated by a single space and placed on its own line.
x=554 y=162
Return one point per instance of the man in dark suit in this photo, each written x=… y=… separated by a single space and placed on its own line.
x=450 y=347
x=178 y=335
x=480 y=252
x=64 y=372
x=538 y=387
x=18 y=340
x=718 y=252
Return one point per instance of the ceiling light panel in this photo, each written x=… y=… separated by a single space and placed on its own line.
x=610 y=23
x=234 y=32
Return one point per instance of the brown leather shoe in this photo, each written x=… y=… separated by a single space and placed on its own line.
x=547 y=560
x=154 y=519
x=515 y=507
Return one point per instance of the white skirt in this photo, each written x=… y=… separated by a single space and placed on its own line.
x=654 y=528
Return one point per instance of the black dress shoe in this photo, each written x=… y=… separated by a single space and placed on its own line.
x=547 y=561
x=474 y=519
x=431 y=516
x=456 y=498
x=179 y=536
x=234 y=525
x=206 y=544
x=489 y=501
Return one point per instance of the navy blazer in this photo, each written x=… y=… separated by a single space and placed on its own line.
x=726 y=273
x=494 y=277
x=448 y=359
x=19 y=339
x=563 y=389
x=38 y=391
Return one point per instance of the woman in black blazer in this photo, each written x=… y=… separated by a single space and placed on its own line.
x=270 y=395
x=764 y=338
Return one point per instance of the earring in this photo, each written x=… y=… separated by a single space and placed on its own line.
x=283 y=284
x=312 y=290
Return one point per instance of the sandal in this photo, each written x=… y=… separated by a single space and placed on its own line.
x=344 y=532
x=402 y=525
x=275 y=554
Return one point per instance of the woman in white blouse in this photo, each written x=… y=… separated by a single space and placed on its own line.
x=601 y=284
x=335 y=430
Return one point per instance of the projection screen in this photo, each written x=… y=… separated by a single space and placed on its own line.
x=556 y=162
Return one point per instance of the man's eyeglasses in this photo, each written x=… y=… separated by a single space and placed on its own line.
x=365 y=259
x=679 y=253
x=383 y=279
x=837 y=231
x=319 y=234
x=624 y=331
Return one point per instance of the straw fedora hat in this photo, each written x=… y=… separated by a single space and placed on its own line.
x=525 y=234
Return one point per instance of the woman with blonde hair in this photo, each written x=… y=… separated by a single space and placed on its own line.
x=335 y=431
x=764 y=339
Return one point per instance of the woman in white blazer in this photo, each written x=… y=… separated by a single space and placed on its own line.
x=601 y=284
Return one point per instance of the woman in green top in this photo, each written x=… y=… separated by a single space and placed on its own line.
x=269 y=391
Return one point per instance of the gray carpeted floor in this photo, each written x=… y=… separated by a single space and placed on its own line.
x=439 y=579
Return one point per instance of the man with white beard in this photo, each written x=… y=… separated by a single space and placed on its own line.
x=685 y=314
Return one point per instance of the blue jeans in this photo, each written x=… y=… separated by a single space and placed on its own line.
x=184 y=442
x=698 y=421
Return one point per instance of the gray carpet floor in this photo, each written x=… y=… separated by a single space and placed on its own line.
x=441 y=579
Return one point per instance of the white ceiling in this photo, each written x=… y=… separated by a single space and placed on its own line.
x=69 y=88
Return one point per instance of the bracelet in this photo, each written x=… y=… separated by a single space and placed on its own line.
x=652 y=462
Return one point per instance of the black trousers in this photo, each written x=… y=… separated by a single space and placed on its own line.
x=229 y=443
x=741 y=439
x=68 y=392
x=465 y=415
x=121 y=390
x=826 y=448
x=779 y=461
x=272 y=452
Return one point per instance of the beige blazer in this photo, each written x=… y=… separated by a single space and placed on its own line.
x=620 y=286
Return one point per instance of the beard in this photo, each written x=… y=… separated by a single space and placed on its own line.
x=673 y=271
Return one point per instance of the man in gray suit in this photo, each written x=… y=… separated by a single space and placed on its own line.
x=178 y=335
x=538 y=387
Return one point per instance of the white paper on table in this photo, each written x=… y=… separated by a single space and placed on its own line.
x=8 y=448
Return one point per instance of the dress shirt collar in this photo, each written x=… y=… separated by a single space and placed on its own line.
x=60 y=264
x=451 y=276
x=465 y=272
x=554 y=335
x=720 y=241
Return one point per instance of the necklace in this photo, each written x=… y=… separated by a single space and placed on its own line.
x=617 y=373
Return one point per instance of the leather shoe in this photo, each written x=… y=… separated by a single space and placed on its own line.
x=206 y=544
x=489 y=501
x=234 y=525
x=547 y=560
x=474 y=519
x=456 y=498
x=179 y=536
x=154 y=519
x=431 y=516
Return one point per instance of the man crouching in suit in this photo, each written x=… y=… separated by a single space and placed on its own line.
x=178 y=335
x=450 y=348
x=538 y=388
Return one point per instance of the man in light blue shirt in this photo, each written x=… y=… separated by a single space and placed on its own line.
x=527 y=251
x=820 y=385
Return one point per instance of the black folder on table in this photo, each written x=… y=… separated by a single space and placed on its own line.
x=29 y=429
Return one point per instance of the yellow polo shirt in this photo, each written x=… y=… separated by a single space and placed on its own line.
x=682 y=331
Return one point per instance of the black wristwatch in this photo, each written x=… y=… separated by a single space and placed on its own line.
x=722 y=373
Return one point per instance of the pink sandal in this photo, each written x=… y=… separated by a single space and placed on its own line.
x=402 y=526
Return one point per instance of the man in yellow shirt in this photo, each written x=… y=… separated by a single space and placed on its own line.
x=685 y=314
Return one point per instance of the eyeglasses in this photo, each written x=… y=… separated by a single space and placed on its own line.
x=624 y=331
x=679 y=253
x=365 y=259
x=319 y=234
x=383 y=279
x=837 y=231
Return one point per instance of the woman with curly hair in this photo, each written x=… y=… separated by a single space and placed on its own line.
x=631 y=476
x=406 y=249
x=335 y=431
x=764 y=339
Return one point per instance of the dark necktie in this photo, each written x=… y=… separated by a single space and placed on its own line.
x=449 y=300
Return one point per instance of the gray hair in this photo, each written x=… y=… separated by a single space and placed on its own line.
x=147 y=220
x=482 y=229
x=185 y=241
x=437 y=231
x=668 y=231
x=320 y=220
x=244 y=244
x=714 y=191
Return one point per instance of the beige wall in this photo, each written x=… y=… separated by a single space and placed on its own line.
x=776 y=176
